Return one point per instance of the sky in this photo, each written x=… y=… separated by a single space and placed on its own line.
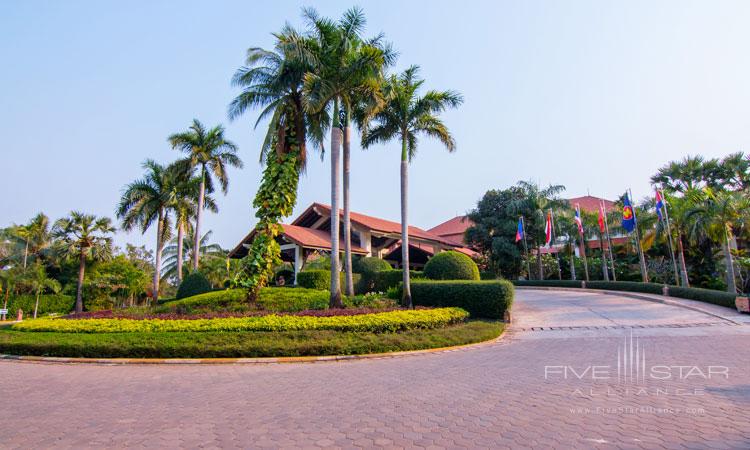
x=594 y=95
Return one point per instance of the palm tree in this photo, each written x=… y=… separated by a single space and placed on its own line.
x=83 y=236
x=210 y=152
x=36 y=279
x=534 y=205
x=344 y=65
x=33 y=237
x=717 y=216
x=172 y=253
x=405 y=116
x=8 y=279
x=149 y=200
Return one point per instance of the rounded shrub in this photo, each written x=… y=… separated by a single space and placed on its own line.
x=369 y=265
x=451 y=265
x=193 y=284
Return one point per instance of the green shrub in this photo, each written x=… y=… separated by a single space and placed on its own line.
x=486 y=275
x=278 y=299
x=321 y=279
x=48 y=304
x=704 y=295
x=290 y=299
x=629 y=286
x=387 y=279
x=488 y=299
x=391 y=321
x=193 y=284
x=549 y=283
x=369 y=264
x=451 y=265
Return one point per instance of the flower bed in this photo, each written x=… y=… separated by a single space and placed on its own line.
x=376 y=323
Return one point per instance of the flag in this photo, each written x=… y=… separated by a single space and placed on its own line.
x=659 y=205
x=519 y=231
x=548 y=230
x=628 y=216
x=578 y=220
x=601 y=217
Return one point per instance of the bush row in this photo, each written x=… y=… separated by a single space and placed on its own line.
x=374 y=323
x=703 y=295
x=379 y=281
x=48 y=304
x=487 y=299
x=269 y=299
x=321 y=279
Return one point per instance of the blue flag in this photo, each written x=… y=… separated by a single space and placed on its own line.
x=628 y=216
x=519 y=231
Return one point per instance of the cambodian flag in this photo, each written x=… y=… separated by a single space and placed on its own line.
x=659 y=205
x=578 y=220
x=519 y=231
x=628 y=216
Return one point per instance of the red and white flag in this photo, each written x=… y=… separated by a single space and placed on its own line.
x=548 y=230
x=578 y=220
x=601 y=217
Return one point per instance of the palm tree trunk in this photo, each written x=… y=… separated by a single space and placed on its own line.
x=405 y=222
x=572 y=264
x=335 y=300
x=79 y=290
x=197 y=231
x=539 y=262
x=157 y=259
x=26 y=253
x=585 y=261
x=349 y=282
x=180 y=238
x=683 y=266
x=36 y=305
x=731 y=283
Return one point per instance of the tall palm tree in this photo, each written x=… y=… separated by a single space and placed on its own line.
x=717 y=216
x=149 y=200
x=534 y=205
x=210 y=152
x=34 y=236
x=83 y=236
x=405 y=116
x=345 y=65
x=36 y=280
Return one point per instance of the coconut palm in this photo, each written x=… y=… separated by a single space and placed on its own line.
x=36 y=280
x=147 y=201
x=344 y=65
x=534 y=205
x=83 y=236
x=209 y=152
x=717 y=216
x=405 y=116
x=172 y=252
x=33 y=237
x=273 y=80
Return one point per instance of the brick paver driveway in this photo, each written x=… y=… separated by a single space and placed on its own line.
x=553 y=381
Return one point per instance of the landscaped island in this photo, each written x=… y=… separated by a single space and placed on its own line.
x=282 y=321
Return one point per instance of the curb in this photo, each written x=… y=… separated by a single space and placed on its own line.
x=242 y=361
x=666 y=300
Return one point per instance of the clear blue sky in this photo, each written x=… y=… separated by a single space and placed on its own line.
x=595 y=95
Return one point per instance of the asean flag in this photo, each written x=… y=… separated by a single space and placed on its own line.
x=548 y=230
x=519 y=230
x=628 y=216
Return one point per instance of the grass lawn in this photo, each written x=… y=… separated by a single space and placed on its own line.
x=239 y=344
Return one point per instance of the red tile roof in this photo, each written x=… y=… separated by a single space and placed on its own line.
x=308 y=237
x=382 y=225
x=591 y=204
x=456 y=225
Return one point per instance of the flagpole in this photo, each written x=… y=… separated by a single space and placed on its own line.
x=526 y=249
x=605 y=270
x=641 y=258
x=609 y=243
x=583 y=244
x=554 y=237
x=669 y=235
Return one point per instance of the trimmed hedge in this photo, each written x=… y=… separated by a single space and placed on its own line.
x=631 y=286
x=279 y=299
x=488 y=299
x=193 y=284
x=48 y=304
x=451 y=265
x=704 y=295
x=321 y=279
x=488 y=276
x=375 y=323
x=549 y=283
x=386 y=279
x=369 y=264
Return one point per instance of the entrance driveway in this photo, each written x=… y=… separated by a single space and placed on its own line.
x=551 y=382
